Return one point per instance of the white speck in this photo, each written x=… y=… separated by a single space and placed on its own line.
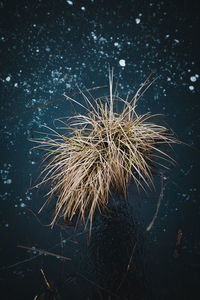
x=137 y=21
x=8 y=181
x=177 y=41
x=68 y=85
x=8 y=78
x=22 y=205
x=69 y=2
x=93 y=35
x=193 y=78
x=83 y=8
x=196 y=75
x=48 y=49
x=116 y=44
x=122 y=62
x=168 y=79
x=191 y=88
x=102 y=40
x=167 y=35
x=16 y=85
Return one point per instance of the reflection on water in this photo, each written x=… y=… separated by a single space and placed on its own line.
x=117 y=251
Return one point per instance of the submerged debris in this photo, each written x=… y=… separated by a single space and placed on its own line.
x=51 y=292
x=177 y=249
x=44 y=252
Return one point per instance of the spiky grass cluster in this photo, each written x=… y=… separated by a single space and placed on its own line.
x=104 y=150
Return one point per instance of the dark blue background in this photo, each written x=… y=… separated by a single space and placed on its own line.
x=48 y=48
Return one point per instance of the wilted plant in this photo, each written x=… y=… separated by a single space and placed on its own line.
x=100 y=153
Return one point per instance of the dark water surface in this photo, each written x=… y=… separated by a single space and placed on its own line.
x=49 y=48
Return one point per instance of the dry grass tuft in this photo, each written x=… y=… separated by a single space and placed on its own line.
x=104 y=150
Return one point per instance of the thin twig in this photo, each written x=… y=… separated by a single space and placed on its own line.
x=131 y=257
x=97 y=285
x=61 y=242
x=45 y=279
x=158 y=206
x=34 y=214
x=49 y=102
x=128 y=267
x=36 y=256
x=44 y=252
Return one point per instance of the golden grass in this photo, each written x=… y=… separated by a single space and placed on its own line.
x=103 y=151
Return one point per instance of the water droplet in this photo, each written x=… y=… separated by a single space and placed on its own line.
x=137 y=21
x=122 y=62
x=193 y=78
